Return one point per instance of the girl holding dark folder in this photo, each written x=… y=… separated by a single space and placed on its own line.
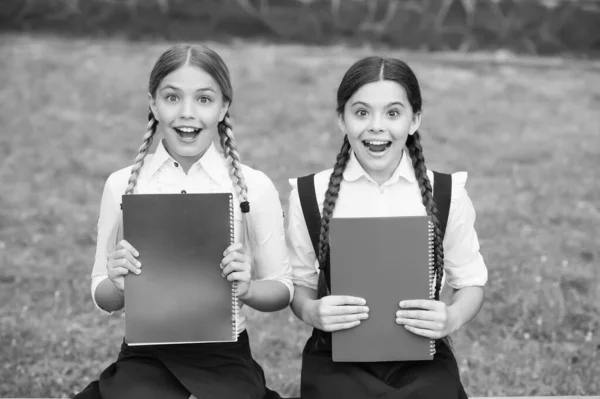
x=189 y=95
x=380 y=172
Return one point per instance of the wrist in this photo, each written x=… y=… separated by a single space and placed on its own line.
x=249 y=294
x=454 y=322
x=308 y=310
x=118 y=291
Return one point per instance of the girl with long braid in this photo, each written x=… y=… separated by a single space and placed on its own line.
x=380 y=172
x=189 y=95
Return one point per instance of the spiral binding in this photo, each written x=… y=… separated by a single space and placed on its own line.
x=234 y=298
x=431 y=275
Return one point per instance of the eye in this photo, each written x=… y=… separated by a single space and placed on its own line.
x=205 y=100
x=171 y=97
x=361 y=112
x=393 y=113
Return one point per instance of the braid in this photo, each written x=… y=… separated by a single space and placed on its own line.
x=142 y=152
x=231 y=152
x=413 y=143
x=331 y=196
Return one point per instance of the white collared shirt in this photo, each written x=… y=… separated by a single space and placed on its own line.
x=361 y=196
x=161 y=174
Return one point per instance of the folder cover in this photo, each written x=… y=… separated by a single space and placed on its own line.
x=180 y=295
x=383 y=260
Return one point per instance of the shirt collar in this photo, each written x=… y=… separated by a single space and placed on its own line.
x=158 y=159
x=215 y=165
x=212 y=162
x=355 y=171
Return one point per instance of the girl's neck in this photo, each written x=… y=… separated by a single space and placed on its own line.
x=381 y=176
x=185 y=162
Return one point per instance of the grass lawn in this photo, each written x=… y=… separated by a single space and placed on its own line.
x=71 y=112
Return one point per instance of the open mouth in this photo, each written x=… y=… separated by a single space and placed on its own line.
x=377 y=145
x=187 y=133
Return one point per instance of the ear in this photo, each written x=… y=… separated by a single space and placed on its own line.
x=341 y=123
x=152 y=104
x=416 y=122
x=224 y=110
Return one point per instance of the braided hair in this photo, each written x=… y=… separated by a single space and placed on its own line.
x=142 y=152
x=209 y=61
x=365 y=71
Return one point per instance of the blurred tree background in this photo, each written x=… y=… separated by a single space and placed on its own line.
x=522 y=26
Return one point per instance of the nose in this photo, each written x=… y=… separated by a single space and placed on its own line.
x=187 y=110
x=375 y=126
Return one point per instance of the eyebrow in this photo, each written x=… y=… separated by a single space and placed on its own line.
x=178 y=89
x=388 y=105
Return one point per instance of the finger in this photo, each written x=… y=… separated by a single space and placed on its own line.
x=424 y=333
x=233 y=257
x=419 y=314
x=235 y=267
x=124 y=263
x=126 y=245
x=345 y=300
x=118 y=272
x=233 y=248
x=427 y=304
x=422 y=324
x=126 y=254
x=342 y=326
x=121 y=252
x=344 y=310
x=239 y=277
x=345 y=318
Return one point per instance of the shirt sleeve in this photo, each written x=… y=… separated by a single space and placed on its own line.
x=271 y=260
x=463 y=263
x=109 y=221
x=302 y=255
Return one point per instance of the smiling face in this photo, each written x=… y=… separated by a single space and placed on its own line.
x=188 y=105
x=377 y=119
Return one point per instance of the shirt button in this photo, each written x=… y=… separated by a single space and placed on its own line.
x=176 y=164
x=183 y=192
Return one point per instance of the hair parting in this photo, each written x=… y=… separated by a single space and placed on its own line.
x=362 y=72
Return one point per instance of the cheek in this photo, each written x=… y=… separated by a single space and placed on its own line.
x=355 y=127
x=166 y=112
x=209 y=114
x=400 y=127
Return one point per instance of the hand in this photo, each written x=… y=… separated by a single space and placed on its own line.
x=433 y=321
x=337 y=312
x=236 y=268
x=122 y=261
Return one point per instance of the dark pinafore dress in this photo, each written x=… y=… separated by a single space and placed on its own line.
x=322 y=378
x=215 y=370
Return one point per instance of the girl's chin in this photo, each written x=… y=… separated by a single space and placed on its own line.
x=379 y=161
x=188 y=150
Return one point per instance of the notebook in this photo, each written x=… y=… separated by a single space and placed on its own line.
x=384 y=260
x=180 y=296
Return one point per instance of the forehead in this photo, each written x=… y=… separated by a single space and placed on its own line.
x=380 y=93
x=189 y=77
